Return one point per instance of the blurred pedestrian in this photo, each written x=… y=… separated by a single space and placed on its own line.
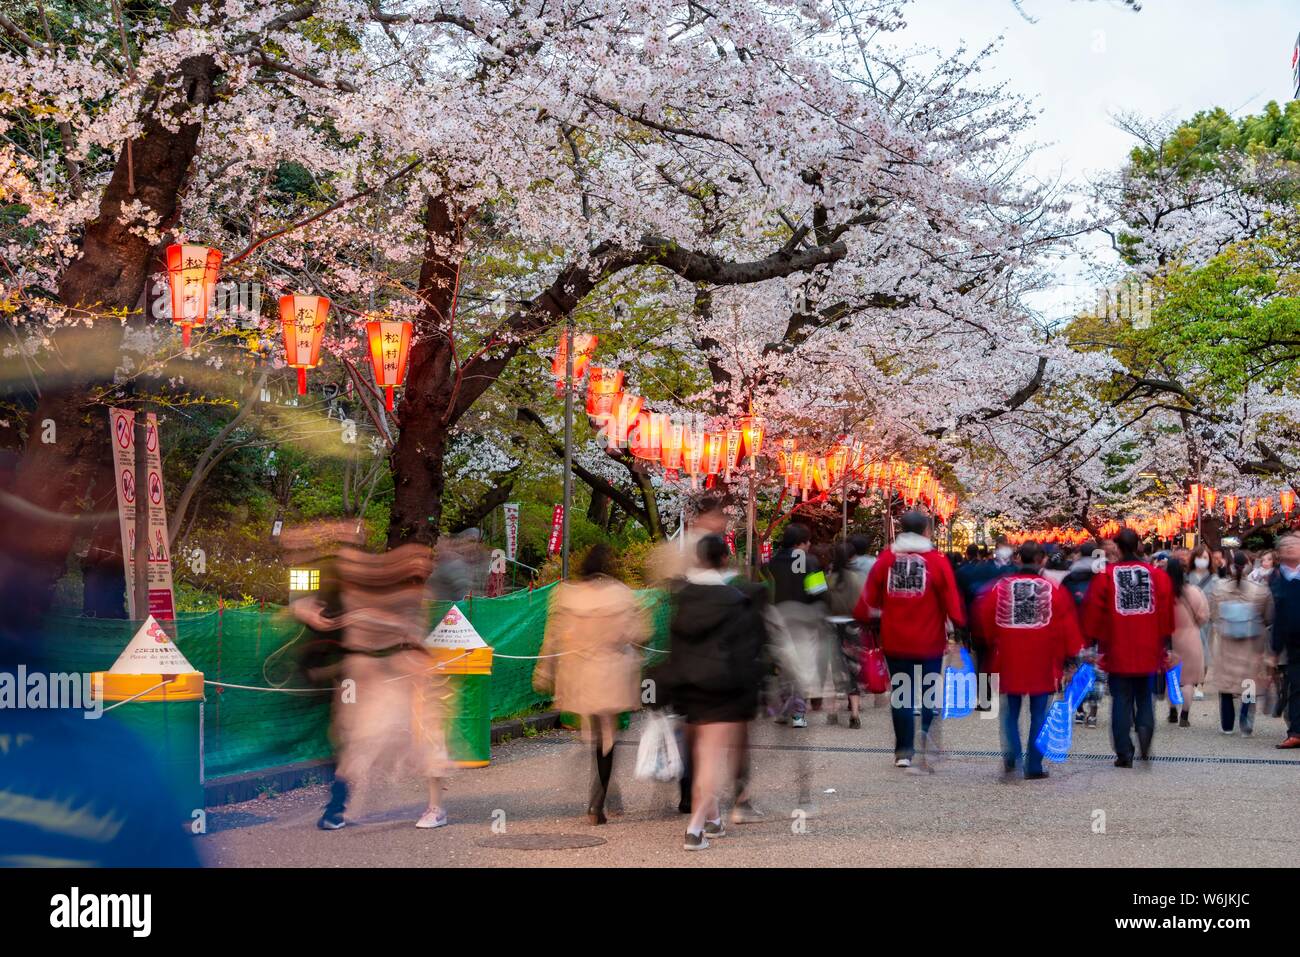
x=1285 y=644
x=716 y=640
x=1242 y=611
x=848 y=579
x=591 y=661
x=1191 y=612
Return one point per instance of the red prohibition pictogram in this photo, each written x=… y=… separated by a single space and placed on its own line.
x=128 y=486
x=155 y=488
x=122 y=429
x=151 y=436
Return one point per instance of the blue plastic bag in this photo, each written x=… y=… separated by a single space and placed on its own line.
x=960 y=687
x=1174 y=684
x=1058 y=732
x=1057 y=735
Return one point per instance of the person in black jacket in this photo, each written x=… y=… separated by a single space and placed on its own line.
x=713 y=669
x=1285 y=586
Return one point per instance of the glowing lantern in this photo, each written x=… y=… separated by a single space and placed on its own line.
x=1210 y=493
x=390 y=348
x=672 y=438
x=584 y=347
x=192 y=277
x=735 y=441
x=693 y=442
x=643 y=437
x=1265 y=509
x=1230 y=505
x=618 y=421
x=1287 y=497
x=753 y=428
x=715 y=452
x=302 y=318
x=603 y=387
x=837 y=463
x=1252 y=509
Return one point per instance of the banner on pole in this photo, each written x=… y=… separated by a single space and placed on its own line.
x=557 y=530
x=162 y=601
x=512 y=529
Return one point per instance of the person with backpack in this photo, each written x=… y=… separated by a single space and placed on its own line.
x=1242 y=611
x=1129 y=614
x=913 y=588
x=1031 y=629
x=713 y=670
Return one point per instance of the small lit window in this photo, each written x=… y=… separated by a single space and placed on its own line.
x=304 y=579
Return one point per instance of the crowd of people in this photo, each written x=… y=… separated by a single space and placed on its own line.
x=803 y=635
x=794 y=641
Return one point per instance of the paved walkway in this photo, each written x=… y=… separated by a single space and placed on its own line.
x=1207 y=799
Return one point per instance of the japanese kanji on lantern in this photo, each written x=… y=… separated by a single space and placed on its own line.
x=390 y=348
x=303 y=320
x=192 y=279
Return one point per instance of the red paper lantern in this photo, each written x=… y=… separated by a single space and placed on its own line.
x=753 y=428
x=192 y=278
x=1210 y=494
x=671 y=440
x=1230 y=505
x=715 y=446
x=302 y=319
x=584 y=347
x=1287 y=497
x=602 y=387
x=390 y=349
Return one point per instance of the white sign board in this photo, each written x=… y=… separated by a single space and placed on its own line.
x=151 y=652
x=454 y=631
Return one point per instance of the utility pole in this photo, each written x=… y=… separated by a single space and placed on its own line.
x=568 y=448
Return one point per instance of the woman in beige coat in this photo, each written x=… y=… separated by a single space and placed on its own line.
x=590 y=662
x=1242 y=612
x=1191 y=611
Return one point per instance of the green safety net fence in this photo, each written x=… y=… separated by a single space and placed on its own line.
x=265 y=723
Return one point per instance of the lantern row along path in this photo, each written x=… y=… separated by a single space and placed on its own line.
x=1188 y=808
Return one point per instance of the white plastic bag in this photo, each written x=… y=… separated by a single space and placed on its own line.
x=657 y=757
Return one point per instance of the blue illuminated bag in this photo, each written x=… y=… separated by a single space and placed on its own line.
x=1058 y=730
x=960 y=687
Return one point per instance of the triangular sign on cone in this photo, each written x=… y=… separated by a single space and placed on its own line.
x=454 y=631
x=151 y=652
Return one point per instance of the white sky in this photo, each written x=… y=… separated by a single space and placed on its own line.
x=1083 y=61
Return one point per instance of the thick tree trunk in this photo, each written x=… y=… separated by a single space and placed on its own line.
x=106 y=282
x=425 y=414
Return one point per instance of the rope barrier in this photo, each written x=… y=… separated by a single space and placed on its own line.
x=134 y=696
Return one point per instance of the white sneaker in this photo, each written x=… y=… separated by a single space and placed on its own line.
x=1227 y=731
x=799 y=721
x=902 y=762
x=1198 y=695
x=433 y=817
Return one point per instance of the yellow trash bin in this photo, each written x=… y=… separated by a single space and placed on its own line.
x=166 y=713
x=469 y=717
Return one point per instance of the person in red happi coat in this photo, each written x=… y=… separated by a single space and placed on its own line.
x=1030 y=628
x=1129 y=613
x=915 y=590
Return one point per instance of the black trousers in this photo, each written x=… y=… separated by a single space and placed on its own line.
x=1132 y=706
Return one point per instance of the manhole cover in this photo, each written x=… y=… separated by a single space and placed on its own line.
x=539 y=842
